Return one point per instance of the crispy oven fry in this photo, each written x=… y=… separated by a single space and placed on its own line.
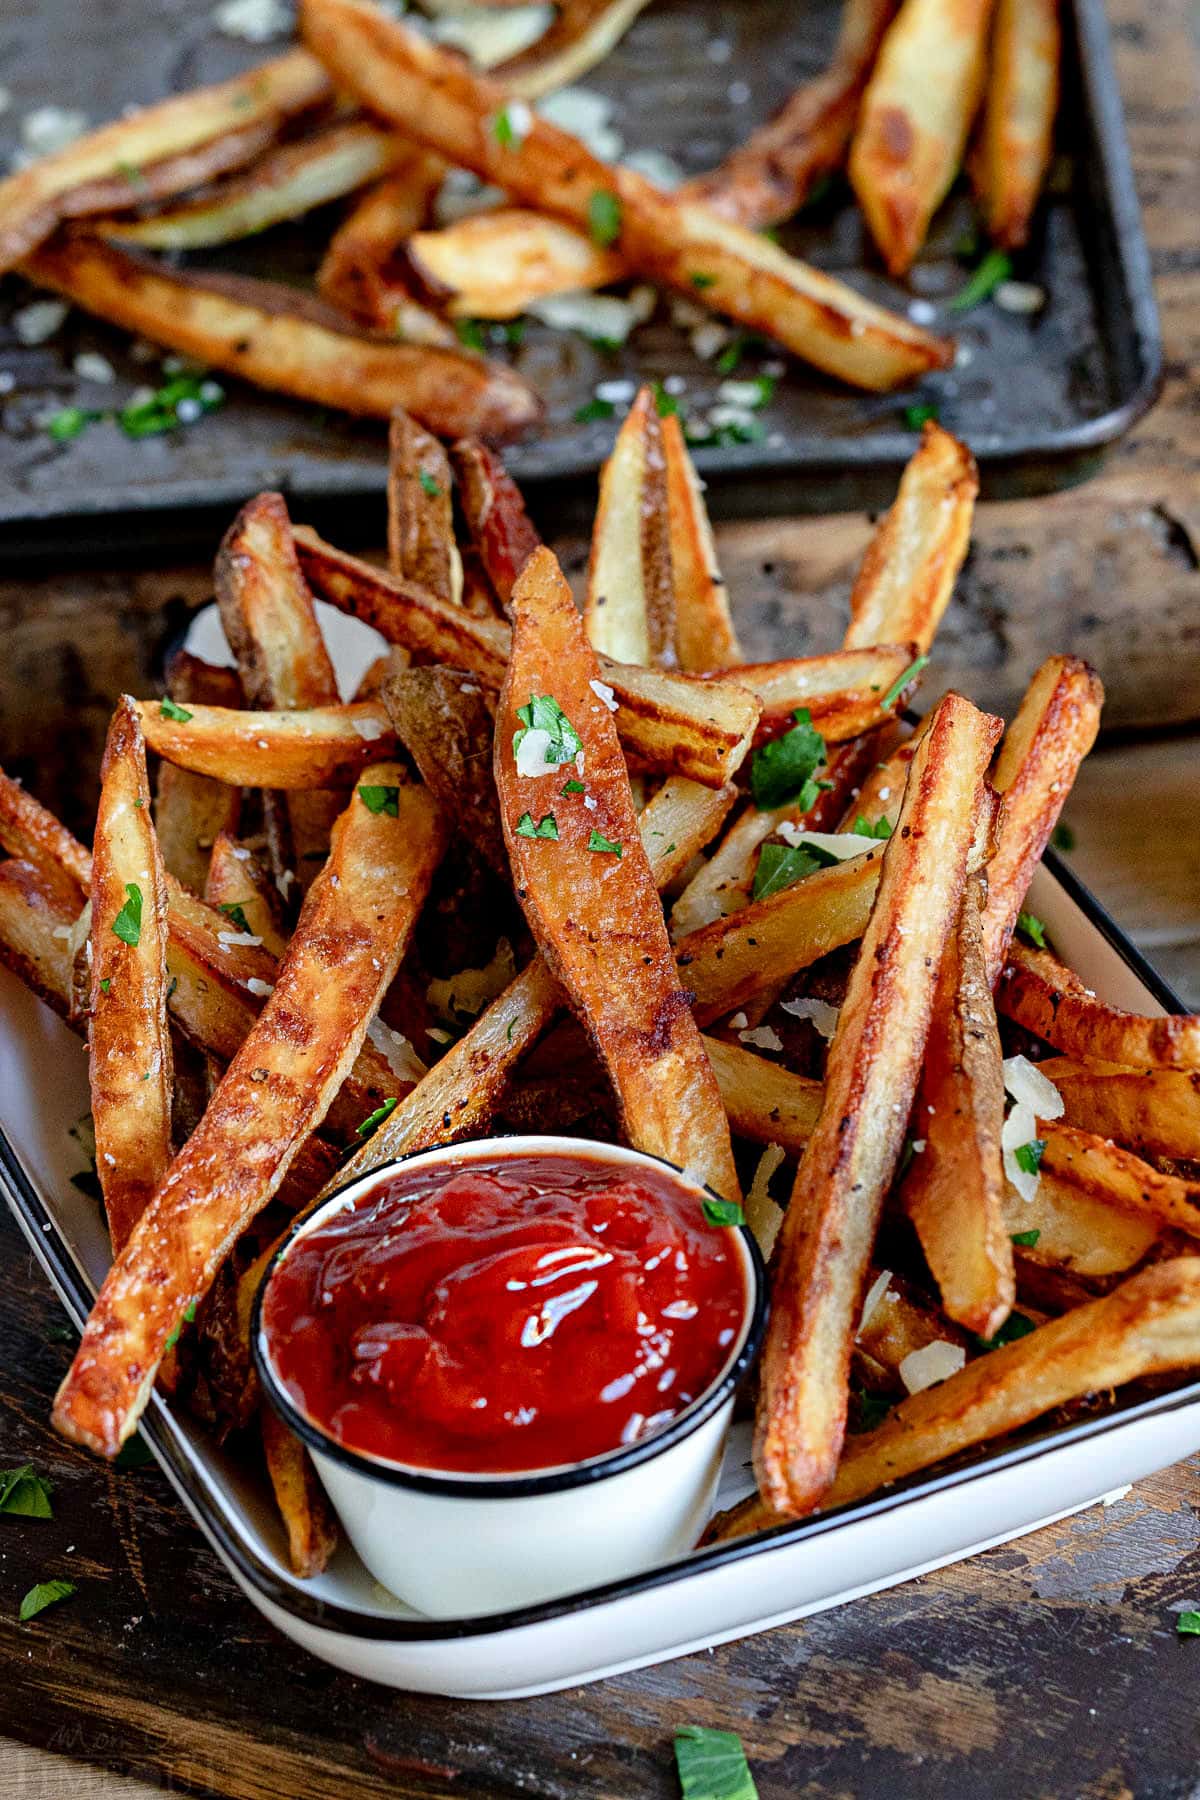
x=764 y=1101
x=28 y=830
x=582 y=34
x=129 y=1046
x=1119 y=1178
x=400 y=76
x=843 y=691
x=500 y=527
x=421 y=545
x=1079 y=1230
x=443 y=721
x=311 y=1528
x=175 y=145
x=361 y=273
x=283 y=339
x=704 y=634
x=1153 y=1111
x=190 y=811
x=1040 y=993
x=491 y=265
x=871 y=1077
x=629 y=610
x=318 y=746
x=600 y=924
x=352 y=933
x=920 y=101
x=237 y=885
x=38 y=907
x=1018 y=116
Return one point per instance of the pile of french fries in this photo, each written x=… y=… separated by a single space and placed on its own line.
x=587 y=869
x=369 y=106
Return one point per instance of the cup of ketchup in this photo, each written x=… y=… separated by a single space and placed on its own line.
x=514 y=1364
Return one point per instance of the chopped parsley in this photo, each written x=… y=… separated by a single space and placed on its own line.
x=701 y=281
x=432 y=487
x=722 y=1212
x=782 y=771
x=470 y=334
x=179 y=402
x=1032 y=928
x=1062 y=837
x=995 y=268
x=1015 y=1326
x=381 y=800
x=1029 y=1156
x=604 y=218
x=189 y=1314
x=782 y=866
x=573 y=787
x=920 y=414
x=105 y=984
x=712 y=1765
x=1025 y=1240
x=543 y=713
x=376 y=1118
x=666 y=405
x=595 y=409
x=902 y=680
x=46 y=1593
x=128 y=923
x=606 y=846
x=24 y=1493
x=132 y=173
x=170 y=709
x=873 y=1409
x=734 y=351
x=882 y=828
x=233 y=909
x=70 y=422
x=505 y=132
x=134 y=1453
x=545 y=828
x=1187 y=1624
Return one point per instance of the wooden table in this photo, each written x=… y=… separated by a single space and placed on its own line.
x=1049 y=1667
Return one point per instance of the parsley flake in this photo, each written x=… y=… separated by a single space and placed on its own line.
x=376 y=1118
x=46 y=1593
x=916 y=416
x=712 y=1765
x=995 y=268
x=1029 y=1156
x=604 y=218
x=882 y=828
x=573 y=787
x=1032 y=928
x=1062 y=837
x=381 y=800
x=1187 y=1624
x=432 y=487
x=543 y=713
x=70 y=422
x=1015 y=1326
x=502 y=130
x=701 y=281
x=189 y=1314
x=873 y=1409
x=105 y=984
x=901 y=682
x=666 y=405
x=233 y=909
x=128 y=923
x=170 y=709
x=1025 y=1240
x=782 y=866
x=24 y=1493
x=470 y=334
x=179 y=402
x=722 y=1212
x=545 y=828
x=781 y=772
x=606 y=846
x=594 y=409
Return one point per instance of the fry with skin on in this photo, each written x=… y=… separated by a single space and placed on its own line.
x=1053 y=731
x=421 y=545
x=1153 y=1111
x=284 y=340
x=912 y=130
x=871 y=1077
x=237 y=880
x=954 y=1190
x=599 y=923
x=581 y=35
x=361 y=273
x=1047 y=998
x=129 y=1046
x=37 y=905
x=191 y=811
x=1119 y=1178
x=629 y=609
x=494 y=509
x=443 y=721
x=490 y=265
x=1018 y=116
x=843 y=691
x=317 y=747
x=432 y=95
x=353 y=931
x=308 y=1519
x=704 y=633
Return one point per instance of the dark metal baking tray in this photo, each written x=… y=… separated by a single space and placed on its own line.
x=1038 y=398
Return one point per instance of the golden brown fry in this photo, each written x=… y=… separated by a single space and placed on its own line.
x=667 y=721
x=678 y=821
x=582 y=34
x=38 y=905
x=764 y=1101
x=1153 y=1111
x=443 y=721
x=704 y=632
x=913 y=560
x=431 y=94
x=129 y=1046
x=355 y=926
x=28 y=830
x=1149 y=1325
x=629 y=610
x=311 y=1526
x=362 y=273
x=317 y=747
x=1018 y=118
x=500 y=527
x=871 y=1076
x=911 y=132
x=491 y=265
x=769 y=177
x=1039 y=759
x=286 y=183
x=1119 y=1178
x=191 y=134
x=1040 y=993
x=285 y=340
x=844 y=690
x=1080 y=1232
x=238 y=886
x=421 y=545
x=190 y=811
x=954 y=1189
x=599 y=923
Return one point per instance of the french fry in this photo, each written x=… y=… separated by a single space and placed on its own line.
x=237 y=885
x=1153 y=1111
x=1040 y=993
x=1018 y=117
x=954 y=1189
x=1119 y=1178
x=704 y=634
x=844 y=691
x=918 y=107
x=582 y=33
x=500 y=527
x=311 y=1527
x=491 y=265
x=600 y=925
x=1039 y=759
x=170 y=147
x=38 y=907
x=629 y=610
x=913 y=559
x=286 y=183
x=443 y=721
x=678 y=820
x=871 y=1077
x=431 y=95
x=129 y=1046
x=284 y=340
x=30 y=831
x=421 y=545
x=764 y=1101
x=667 y=721
x=1147 y=1326
x=319 y=746
x=190 y=811
x=1080 y=1231
x=770 y=177
x=355 y=926
x=360 y=272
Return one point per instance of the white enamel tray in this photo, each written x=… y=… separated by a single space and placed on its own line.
x=703 y=1599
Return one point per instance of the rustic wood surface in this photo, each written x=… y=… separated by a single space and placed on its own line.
x=1047 y=1668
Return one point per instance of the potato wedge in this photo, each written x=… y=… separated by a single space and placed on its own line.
x=362 y=272
x=286 y=183
x=844 y=691
x=400 y=76
x=771 y=176
x=491 y=265
x=954 y=1189
x=1039 y=759
x=190 y=811
x=916 y=113
x=30 y=831
x=764 y=1101
x=678 y=821
x=238 y=885
x=421 y=545
x=316 y=747
x=1040 y=993
x=1153 y=1111
x=871 y=1078
x=704 y=634
x=196 y=135
x=443 y=721
x=355 y=926
x=1017 y=140
x=629 y=608
x=1119 y=1178
x=494 y=509
x=667 y=721
x=38 y=909
x=129 y=1046
x=599 y=923
x=284 y=340
x=311 y=1527
x=913 y=560
x=582 y=34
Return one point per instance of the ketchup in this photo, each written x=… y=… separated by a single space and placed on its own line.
x=514 y=1314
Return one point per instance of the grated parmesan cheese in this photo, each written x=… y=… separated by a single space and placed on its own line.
x=762 y=1214
x=932 y=1363
x=762 y=1037
x=823 y=1016
x=875 y=1293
